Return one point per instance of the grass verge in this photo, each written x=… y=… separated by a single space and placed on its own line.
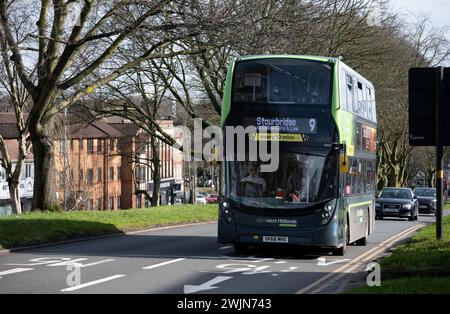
x=42 y=228
x=419 y=266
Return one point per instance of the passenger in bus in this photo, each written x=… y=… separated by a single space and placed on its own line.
x=253 y=184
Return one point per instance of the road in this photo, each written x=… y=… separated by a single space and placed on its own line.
x=189 y=260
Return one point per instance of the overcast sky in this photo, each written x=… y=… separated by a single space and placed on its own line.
x=437 y=10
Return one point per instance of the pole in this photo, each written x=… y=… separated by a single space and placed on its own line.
x=65 y=163
x=439 y=156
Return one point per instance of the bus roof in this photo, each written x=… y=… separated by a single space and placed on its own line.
x=304 y=57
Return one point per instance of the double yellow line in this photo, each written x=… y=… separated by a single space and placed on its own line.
x=325 y=281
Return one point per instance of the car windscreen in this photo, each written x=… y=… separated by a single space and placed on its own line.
x=396 y=193
x=425 y=192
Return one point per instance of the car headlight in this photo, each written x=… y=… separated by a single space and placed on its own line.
x=377 y=205
x=407 y=206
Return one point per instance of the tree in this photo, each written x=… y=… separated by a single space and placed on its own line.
x=18 y=98
x=66 y=62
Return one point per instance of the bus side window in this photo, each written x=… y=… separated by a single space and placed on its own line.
x=349 y=93
x=360 y=99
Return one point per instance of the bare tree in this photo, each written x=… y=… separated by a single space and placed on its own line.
x=18 y=98
x=67 y=62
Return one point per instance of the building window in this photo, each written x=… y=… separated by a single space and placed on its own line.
x=111 y=174
x=111 y=202
x=119 y=202
x=99 y=204
x=81 y=175
x=61 y=179
x=118 y=173
x=138 y=201
x=90 y=176
x=90 y=146
x=81 y=144
x=99 y=174
x=113 y=144
x=99 y=146
x=90 y=204
x=28 y=170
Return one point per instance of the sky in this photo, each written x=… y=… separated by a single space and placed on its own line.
x=437 y=10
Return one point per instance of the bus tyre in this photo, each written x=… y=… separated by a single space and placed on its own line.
x=240 y=247
x=341 y=251
x=361 y=242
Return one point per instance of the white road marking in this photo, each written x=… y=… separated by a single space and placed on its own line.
x=78 y=264
x=225 y=247
x=380 y=247
x=209 y=285
x=164 y=263
x=91 y=283
x=288 y=270
x=280 y=262
x=321 y=261
x=14 y=271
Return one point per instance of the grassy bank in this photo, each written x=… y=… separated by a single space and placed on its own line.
x=419 y=266
x=38 y=228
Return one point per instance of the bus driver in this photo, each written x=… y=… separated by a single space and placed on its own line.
x=254 y=185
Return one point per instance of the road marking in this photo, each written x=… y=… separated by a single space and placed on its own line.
x=321 y=261
x=14 y=271
x=289 y=270
x=164 y=263
x=77 y=263
x=280 y=262
x=352 y=266
x=225 y=247
x=209 y=285
x=91 y=283
x=381 y=246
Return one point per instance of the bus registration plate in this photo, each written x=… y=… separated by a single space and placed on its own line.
x=275 y=239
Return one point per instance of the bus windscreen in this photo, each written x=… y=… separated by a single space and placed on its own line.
x=283 y=81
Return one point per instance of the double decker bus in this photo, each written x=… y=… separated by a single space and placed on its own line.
x=322 y=193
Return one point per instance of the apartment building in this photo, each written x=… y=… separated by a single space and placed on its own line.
x=136 y=168
x=88 y=167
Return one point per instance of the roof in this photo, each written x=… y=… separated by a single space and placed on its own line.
x=304 y=57
x=8 y=127
x=96 y=129
x=129 y=129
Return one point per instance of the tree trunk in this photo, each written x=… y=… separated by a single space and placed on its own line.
x=156 y=171
x=15 y=198
x=44 y=174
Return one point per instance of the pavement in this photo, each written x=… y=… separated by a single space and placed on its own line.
x=189 y=260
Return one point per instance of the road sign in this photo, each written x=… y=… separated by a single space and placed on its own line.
x=427 y=88
x=429 y=121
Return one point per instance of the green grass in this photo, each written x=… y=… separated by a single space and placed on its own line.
x=39 y=228
x=416 y=285
x=424 y=260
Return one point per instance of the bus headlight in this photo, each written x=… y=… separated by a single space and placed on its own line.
x=329 y=207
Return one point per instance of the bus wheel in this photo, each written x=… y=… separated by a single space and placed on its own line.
x=240 y=247
x=361 y=242
x=341 y=251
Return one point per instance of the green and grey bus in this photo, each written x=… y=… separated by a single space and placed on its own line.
x=323 y=191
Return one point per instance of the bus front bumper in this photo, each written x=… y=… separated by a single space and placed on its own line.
x=323 y=236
